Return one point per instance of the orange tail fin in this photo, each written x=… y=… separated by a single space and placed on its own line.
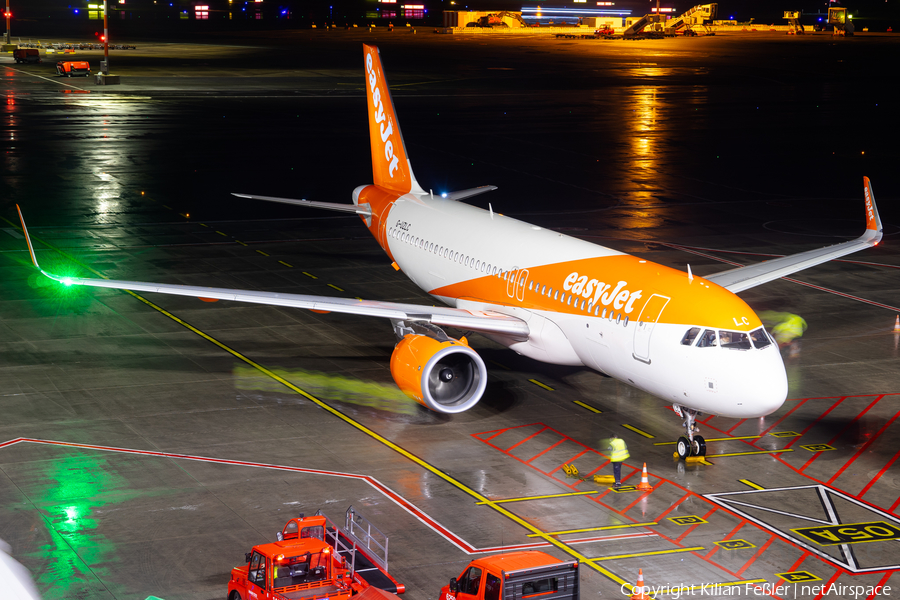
x=390 y=163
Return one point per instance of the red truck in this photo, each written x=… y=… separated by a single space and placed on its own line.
x=312 y=558
x=516 y=575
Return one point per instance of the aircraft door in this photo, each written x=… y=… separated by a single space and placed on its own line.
x=511 y=277
x=520 y=284
x=647 y=320
x=515 y=283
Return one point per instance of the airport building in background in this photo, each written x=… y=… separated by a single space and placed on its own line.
x=236 y=14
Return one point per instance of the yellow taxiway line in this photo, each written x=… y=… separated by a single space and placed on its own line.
x=539 y=384
x=658 y=552
x=540 y=497
x=751 y=484
x=636 y=430
x=596 y=529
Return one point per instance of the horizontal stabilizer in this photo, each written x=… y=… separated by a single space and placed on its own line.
x=350 y=208
x=461 y=194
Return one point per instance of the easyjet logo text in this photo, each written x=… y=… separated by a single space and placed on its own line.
x=602 y=293
x=870 y=211
x=386 y=126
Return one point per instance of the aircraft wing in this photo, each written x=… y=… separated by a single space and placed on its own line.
x=361 y=209
x=481 y=321
x=744 y=278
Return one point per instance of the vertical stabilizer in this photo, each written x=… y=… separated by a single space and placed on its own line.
x=390 y=163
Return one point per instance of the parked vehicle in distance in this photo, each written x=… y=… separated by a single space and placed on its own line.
x=27 y=55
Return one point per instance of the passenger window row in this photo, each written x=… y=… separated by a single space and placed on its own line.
x=495 y=271
x=584 y=305
x=444 y=252
x=732 y=340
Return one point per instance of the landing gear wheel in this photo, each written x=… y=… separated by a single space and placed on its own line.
x=683 y=447
x=699 y=446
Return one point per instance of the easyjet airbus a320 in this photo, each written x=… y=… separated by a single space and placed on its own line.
x=685 y=339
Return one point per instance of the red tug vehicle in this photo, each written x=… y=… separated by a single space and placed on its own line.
x=313 y=558
x=73 y=68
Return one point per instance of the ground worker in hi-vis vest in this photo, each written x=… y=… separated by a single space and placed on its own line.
x=618 y=455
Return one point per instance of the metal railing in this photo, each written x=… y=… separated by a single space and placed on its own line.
x=361 y=531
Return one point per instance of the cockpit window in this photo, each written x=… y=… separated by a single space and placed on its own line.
x=708 y=339
x=734 y=340
x=690 y=336
x=760 y=339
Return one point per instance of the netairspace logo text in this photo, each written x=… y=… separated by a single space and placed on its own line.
x=785 y=590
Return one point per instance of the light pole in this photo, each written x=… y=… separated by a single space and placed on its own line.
x=105 y=68
x=8 y=16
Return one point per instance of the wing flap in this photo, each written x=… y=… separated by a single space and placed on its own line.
x=744 y=278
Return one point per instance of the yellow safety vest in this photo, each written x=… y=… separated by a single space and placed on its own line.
x=619 y=450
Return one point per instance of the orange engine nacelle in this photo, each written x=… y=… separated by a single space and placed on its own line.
x=447 y=377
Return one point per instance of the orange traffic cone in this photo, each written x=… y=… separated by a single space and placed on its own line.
x=639 y=588
x=644 y=485
x=897 y=325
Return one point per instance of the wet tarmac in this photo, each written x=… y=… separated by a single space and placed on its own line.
x=148 y=441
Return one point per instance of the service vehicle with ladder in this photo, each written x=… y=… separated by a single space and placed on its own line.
x=515 y=575
x=312 y=558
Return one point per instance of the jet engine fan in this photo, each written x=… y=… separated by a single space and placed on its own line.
x=446 y=376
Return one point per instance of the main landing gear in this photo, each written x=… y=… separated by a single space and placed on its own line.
x=693 y=444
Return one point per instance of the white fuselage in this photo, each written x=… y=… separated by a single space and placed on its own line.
x=449 y=249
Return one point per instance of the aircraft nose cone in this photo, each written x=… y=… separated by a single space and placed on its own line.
x=771 y=388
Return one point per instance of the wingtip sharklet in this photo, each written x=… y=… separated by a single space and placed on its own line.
x=873 y=219
x=28 y=240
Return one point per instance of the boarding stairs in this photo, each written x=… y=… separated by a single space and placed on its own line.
x=793 y=19
x=697 y=15
x=638 y=26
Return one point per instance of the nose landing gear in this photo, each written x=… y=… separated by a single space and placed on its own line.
x=693 y=444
